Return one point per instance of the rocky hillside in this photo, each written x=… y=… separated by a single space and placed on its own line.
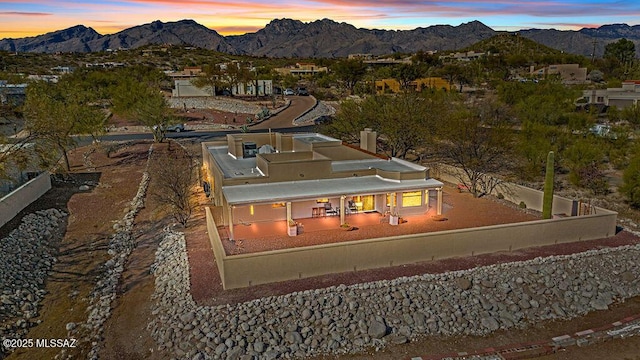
x=83 y=39
x=327 y=38
x=322 y=38
x=582 y=42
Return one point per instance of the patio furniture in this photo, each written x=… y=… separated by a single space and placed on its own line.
x=330 y=210
x=352 y=206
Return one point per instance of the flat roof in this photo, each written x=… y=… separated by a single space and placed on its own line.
x=314 y=138
x=321 y=188
x=233 y=167
x=392 y=164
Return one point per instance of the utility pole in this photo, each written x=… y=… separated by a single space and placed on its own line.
x=593 y=52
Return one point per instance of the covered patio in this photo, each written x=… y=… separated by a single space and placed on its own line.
x=277 y=206
x=459 y=210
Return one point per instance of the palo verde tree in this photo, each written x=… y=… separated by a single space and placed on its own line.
x=55 y=112
x=174 y=176
x=585 y=158
x=405 y=74
x=350 y=72
x=621 y=52
x=146 y=104
x=403 y=121
x=631 y=180
x=211 y=78
x=478 y=146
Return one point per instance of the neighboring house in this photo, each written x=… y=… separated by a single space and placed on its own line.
x=464 y=56
x=186 y=73
x=105 y=65
x=622 y=97
x=273 y=177
x=392 y=85
x=301 y=69
x=185 y=88
x=14 y=94
x=388 y=61
x=62 y=69
x=568 y=73
x=360 y=56
x=48 y=78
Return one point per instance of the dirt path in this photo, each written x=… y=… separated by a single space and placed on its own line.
x=83 y=249
x=126 y=335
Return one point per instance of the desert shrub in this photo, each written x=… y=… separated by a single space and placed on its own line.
x=631 y=185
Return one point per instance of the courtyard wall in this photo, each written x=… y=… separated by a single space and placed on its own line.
x=245 y=270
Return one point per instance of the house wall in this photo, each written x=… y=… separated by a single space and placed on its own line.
x=512 y=192
x=296 y=263
x=216 y=243
x=20 y=198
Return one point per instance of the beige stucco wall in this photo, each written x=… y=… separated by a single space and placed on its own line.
x=20 y=198
x=512 y=192
x=216 y=243
x=252 y=269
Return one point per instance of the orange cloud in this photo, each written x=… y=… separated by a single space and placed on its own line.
x=23 y=13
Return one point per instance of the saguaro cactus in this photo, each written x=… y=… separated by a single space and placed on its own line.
x=547 y=200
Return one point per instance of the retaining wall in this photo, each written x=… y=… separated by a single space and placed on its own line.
x=20 y=198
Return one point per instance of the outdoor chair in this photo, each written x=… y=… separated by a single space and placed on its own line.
x=330 y=210
x=352 y=207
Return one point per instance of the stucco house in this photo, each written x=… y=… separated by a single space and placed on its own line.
x=568 y=73
x=276 y=177
x=622 y=97
x=392 y=85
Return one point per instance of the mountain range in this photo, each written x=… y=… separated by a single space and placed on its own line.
x=321 y=39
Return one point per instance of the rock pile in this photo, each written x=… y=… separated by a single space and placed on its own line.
x=319 y=110
x=222 y=104
x=365 y=317
x=26 y=258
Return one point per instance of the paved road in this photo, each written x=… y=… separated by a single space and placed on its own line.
x=282 y=122
x=284 y=119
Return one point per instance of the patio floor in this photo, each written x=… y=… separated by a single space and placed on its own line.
x=459 y=211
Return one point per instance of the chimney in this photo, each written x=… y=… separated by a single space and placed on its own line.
x=368 y=140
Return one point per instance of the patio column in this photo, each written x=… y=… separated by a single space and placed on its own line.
x=439 y=205
x=392 y=201
x=231 y=237
x=288 y=212
x=426 y=199
x=342 y=211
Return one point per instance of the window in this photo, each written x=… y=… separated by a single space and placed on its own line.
x=395 y=200
x=412 y=198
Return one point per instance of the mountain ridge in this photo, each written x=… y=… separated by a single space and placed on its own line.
x=323 y=38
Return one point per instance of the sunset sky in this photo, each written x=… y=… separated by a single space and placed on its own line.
x=20 y=18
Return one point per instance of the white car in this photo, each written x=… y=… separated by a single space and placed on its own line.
x=288 y=91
